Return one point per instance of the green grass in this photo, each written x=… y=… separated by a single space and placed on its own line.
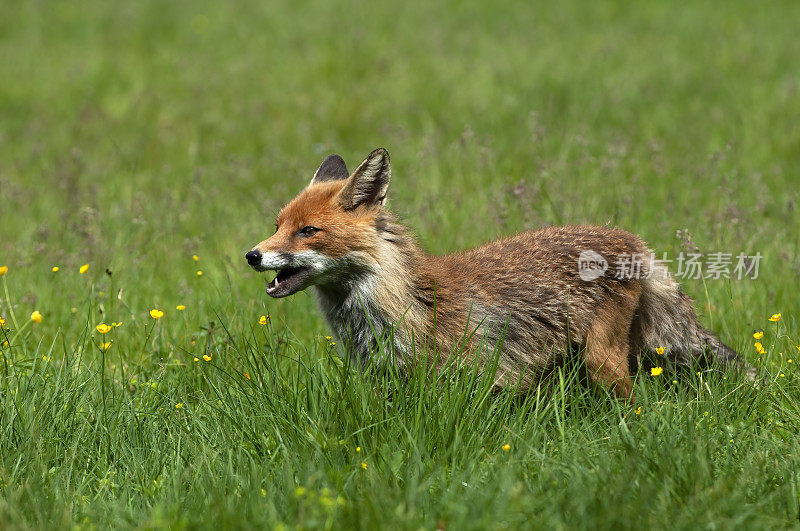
x=137 y=135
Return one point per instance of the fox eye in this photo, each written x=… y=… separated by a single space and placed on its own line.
x=309 y=231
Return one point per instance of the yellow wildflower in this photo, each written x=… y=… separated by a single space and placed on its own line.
x=199 y=273
x=247 y=376
x=759 y=347
x=758 y=335
x=36 y=317
x=775 y=317
x=180 y=307
x=358 y=448
x=106 y=345
x=195 y=257
x=196 y=358
x=2 y=322
x=55 y=269
x=660 y=351
x=3 y=270
x=655 y=371
x=638 y=410
x=364 y=465
x=83 y=269
x=179 y=405
x=207 y=357
x=115 y=325
x=506 y=447
x=263 y=320
x=331 y=337
x=156 y=314
x=103 y=328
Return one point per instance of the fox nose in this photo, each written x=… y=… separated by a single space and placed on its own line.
x=253 y=257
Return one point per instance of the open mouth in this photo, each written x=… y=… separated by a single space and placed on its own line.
x=288 y=281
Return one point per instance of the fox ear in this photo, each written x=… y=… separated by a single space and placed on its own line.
x=369 y=183
x=332 y=168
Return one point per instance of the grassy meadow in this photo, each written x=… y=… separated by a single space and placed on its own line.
x=155 y=142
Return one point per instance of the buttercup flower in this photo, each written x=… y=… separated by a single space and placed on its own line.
x=506 y=447
x=207 y=357
x=195 y=257
x=638 y=410
x=179 y=405
x=263 y=320
x=655 y=371
x=196 y=358
x=199 y=273
x=775 y=317
x=364 y=465
x=358 y=448
x=3 y=270
x=759 y=347
x=36 y=317
x=106 y=345
x=83 y=269
x=156 y=314
x=758 y=335
x=247 y=376
x=103 y=328
x=180 y=307
x=2 y=322
x=660 y=351
x=55 y=269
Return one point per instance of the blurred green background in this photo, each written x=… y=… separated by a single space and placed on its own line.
x=136 y=135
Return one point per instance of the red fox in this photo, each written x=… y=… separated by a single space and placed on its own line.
x=523 y=295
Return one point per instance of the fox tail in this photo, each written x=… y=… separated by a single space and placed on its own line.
x=666 y=319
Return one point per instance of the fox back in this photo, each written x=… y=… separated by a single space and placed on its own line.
x=521 y=298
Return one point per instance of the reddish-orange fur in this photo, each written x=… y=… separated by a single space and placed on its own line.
x=376 y=285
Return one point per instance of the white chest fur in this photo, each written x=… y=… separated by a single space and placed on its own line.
x=359 y=324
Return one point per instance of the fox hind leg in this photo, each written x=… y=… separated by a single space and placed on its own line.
x=607 y=348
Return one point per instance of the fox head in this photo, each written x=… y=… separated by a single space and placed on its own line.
x=329 y=232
